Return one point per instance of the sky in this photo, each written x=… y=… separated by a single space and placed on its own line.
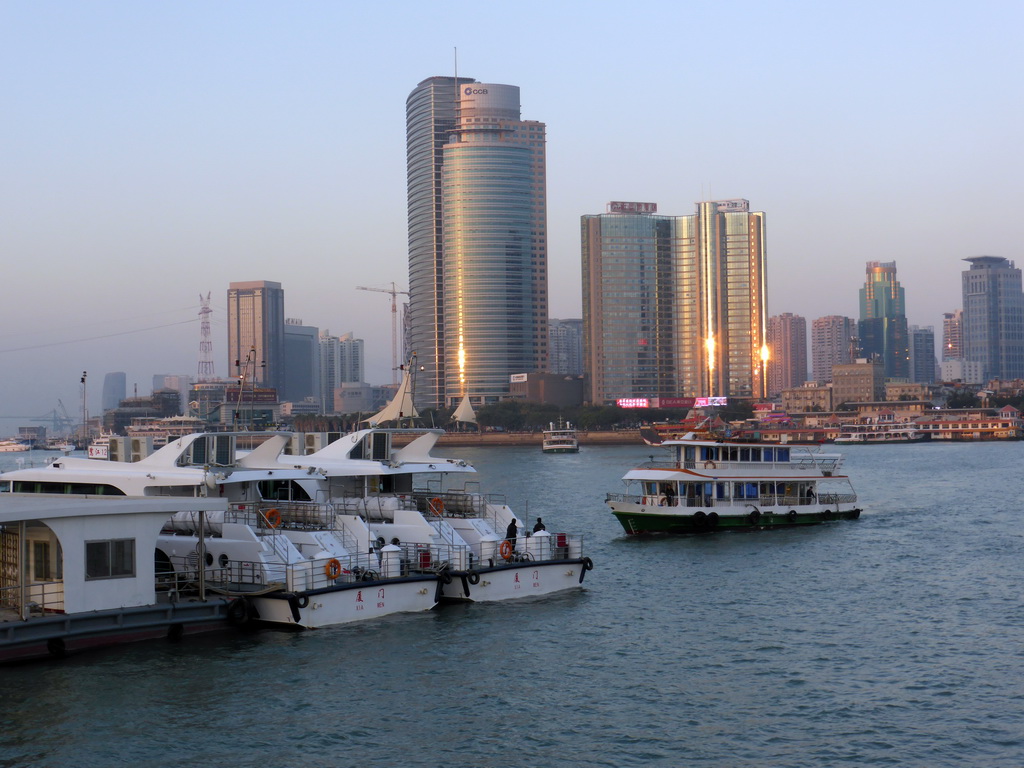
x=152 y=152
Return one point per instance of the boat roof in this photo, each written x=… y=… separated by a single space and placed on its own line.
x=15 y=507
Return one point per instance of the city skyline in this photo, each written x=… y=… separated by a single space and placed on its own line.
x=169 y=139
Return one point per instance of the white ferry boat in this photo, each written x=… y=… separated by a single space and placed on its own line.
x=432 y=510
x=871 y=432
x=707 y=484
x=77 y=572
x=313 y=570
x=561 y=439
x=12 y=446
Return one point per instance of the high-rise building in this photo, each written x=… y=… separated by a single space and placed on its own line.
x=477 y=240
x=922 y=355
x=833 y=342
x=565 y=346
x=674 y=305
x=256 y=333
x=787 y=347
x=883 y=320
x=952 y=335
x=115 y=389
x=341 y=362
x=302 y=361
x=993 y=319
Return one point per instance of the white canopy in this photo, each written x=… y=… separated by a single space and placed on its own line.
x=400 y=407
x=465 y=412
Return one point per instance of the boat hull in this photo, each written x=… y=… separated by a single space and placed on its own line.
x=637 y=521
x=341 y=604
x=514 y=581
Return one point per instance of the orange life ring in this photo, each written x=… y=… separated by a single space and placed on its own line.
x=709 y=464
x=436 y=505
x=273 y=518
x=505 y=549
x=332 y=569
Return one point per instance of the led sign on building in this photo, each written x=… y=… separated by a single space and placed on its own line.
x=621 y=207
x=632 y=402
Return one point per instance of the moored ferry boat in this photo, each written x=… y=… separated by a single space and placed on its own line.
x=560 y=439
x=12 y=446
x=872 y=432
x=706 y=484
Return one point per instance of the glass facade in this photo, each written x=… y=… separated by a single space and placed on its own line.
x=256 y=324
x=477 y=240
x=882 y=328
x=674 y=306
x=993 y=317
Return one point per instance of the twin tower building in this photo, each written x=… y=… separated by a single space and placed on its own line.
x=672 y=305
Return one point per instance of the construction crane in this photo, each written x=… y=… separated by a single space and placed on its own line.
x=394 y=324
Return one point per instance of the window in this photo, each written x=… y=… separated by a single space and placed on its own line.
x=112 y=559
x=41 y=560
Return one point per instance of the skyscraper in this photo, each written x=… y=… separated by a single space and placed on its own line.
x=952 y=335
x=565 y=346
x=883 y=320
x=922 y=355
x=302 y=361
x=674 y=305
x=256 y=333
x=115 y=389
x=833 y=342
x=341 y=362
x=787 y=344
x=993 y=320
x=477 y=240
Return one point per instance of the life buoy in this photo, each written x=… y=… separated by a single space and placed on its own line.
x=436 y=506
x=791 y=515
x=505 y=550
x=332 y=569
x=273 y=517
x=754 y=516
x=713 y=520
x=709 y=464
x=473 y=577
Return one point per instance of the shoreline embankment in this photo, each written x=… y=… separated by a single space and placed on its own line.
x=464 y=439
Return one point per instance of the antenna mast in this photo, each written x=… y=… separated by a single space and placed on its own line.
x=205 y=372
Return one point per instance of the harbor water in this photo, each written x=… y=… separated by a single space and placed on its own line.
x=893 y=640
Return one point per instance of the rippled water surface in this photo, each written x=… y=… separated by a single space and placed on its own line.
x=894 y=640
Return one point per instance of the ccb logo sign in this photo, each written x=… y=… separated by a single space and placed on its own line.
x=474 y=91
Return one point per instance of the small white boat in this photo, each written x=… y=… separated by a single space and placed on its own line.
x=12 y=446
x=708 y=484
x=561 y=439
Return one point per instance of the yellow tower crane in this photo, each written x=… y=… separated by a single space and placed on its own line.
x=394 y=324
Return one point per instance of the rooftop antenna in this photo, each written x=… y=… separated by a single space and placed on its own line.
x=205 y=372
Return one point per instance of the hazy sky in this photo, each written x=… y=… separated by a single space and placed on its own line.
x=150 y=152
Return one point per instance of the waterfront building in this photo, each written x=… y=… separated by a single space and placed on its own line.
x=922 y=354
x=176 y=381
x=833 y=342
x=952 y=335
x=787 y=347
x=906 y=390
x=115 y=389
x=674 y=305
x=993 y=317
x=302 y=362
x=477 y=240
x=860 y=381
x=565 y=346
x=341 y=362
x=966 y=371
x=256 y=333
x=809 y=398
x=882 y=328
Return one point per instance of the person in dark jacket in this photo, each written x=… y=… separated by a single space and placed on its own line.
x=539 y=526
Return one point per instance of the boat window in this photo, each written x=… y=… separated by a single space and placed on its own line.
x=41 y=560
x=744 y=454
x=708 y=453
x=113 y=559
x=782 y=454
x=721 y=490
x=381 y=446
x=689 y=453
x=769 y=454
x=755 y=454
x=734 y=454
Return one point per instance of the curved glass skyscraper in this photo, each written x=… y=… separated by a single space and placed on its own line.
x=477 y=240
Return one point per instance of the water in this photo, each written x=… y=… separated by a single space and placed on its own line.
x=894 y=640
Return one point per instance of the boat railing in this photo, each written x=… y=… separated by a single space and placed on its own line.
x=704 y=502
x=456 y=503
x=22 y=602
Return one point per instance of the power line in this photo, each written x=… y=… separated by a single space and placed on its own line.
x=95 y=338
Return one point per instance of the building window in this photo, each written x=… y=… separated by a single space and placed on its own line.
x=114 y=559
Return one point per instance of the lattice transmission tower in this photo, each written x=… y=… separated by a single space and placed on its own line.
x=205 y=372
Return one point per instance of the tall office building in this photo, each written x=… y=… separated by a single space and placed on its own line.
x=341 y=362
x=787 y=346
x=922 y=355
x=565 y=346
x=115 y=389
x=302 y=361
x=952 y=335
x=477 y=240
x=833 y=342
x=674 y=305
x=256 y=333
x=993 y=320
x=883 y=320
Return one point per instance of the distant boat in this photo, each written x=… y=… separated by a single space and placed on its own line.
x=12 y=446
x=561 y=439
